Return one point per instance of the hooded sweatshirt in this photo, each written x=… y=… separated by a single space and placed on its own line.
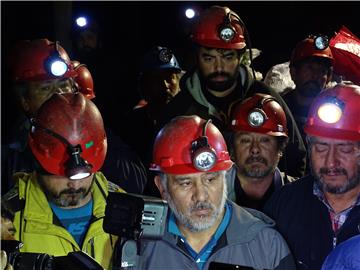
x=249 y=240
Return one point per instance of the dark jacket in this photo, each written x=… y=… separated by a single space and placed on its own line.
x=121 y=166
x=249 y=240
x=305 y=223
x=192 y=100
x=238 y=195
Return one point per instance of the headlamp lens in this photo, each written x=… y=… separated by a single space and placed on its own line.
x=81 y=21
x=256 y=119
x=58 y=68
x=204 y=160
x=165 y=55
x=227 y=34
x=329 y=113
x=321 y=42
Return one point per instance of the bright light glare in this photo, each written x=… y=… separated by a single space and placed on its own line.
x=190 y=13
x=329 y=113
x=81 y=21
x=58 y=68
x=79 y=176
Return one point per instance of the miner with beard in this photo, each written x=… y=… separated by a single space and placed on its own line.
x=190 y=159
x=59 y=207
x=311 y=69
x=259 y=137
x=219 y=79
x=321 y=210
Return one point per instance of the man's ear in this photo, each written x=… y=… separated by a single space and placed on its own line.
x=159 y=185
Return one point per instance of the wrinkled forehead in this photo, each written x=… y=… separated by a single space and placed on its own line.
x=194 y=176
x=331 y=141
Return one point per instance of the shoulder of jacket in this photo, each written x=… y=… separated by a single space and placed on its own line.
x=13 y=200
x=112 y=187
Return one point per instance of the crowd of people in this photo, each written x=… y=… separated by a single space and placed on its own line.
x=254 y=177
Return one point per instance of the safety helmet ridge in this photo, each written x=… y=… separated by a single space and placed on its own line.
x=189 y=144
x=260 y=113
x=335 y=112
x=84 y=80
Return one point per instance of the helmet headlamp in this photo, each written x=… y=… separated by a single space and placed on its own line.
x=165 y=55
x=226 y=30
x=321 y=42
x=203 y=155
x=331 y=110
x=55 y=65
x=256 y=117
x=81 y=22
x=76 y=167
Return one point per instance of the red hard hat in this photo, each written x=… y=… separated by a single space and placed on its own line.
x=29 y=60
x=335 y=112
x=261 y=114
x=77 y=120
x=176 y=147
x=219 y=27
x=306 y=49
x=84 y=80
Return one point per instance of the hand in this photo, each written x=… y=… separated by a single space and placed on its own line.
x=3 y=262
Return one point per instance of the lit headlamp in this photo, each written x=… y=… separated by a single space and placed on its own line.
x=226 y=31
x=203 y=155
x=165 y=55
x=55 y=65
x=76 y=167
x=81 y=21
x=321 y=42
x=331 y=110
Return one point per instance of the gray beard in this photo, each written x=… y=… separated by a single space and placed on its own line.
x=256 y=173
x=349 y=185
x=202 y=225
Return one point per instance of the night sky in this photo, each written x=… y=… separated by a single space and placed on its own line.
x=129 y=29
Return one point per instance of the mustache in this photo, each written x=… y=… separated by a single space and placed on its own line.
x=252 y=159
x=338 y=171
x=201 y=206
x=72 y=191
x=215 y=74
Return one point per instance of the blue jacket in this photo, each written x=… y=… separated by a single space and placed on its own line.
x=304 y=222
x=345 y=256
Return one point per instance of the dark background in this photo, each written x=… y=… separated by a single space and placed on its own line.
x=129 y=29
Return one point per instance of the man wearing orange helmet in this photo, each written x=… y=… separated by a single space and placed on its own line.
x=204 y=228
x=39 y=68
x=219 y=80
x=59 y=208
x=321 y=210
x=311 y=68
x=259 y=137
